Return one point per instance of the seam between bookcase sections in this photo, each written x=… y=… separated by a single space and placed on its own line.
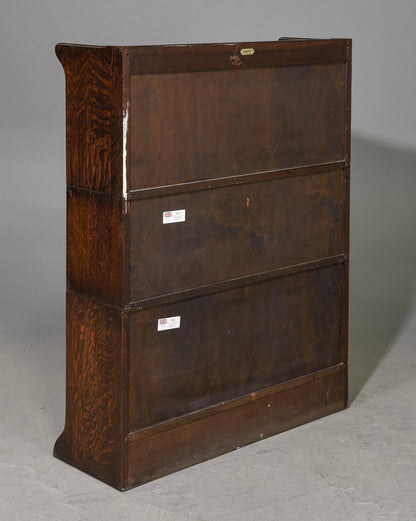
x=220 y=286
x=221 y=182
x=240 y=401
x=231 y=284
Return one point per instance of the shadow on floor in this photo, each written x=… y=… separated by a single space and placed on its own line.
x=383 y=252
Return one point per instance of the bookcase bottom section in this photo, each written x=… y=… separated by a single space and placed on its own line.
x=102 y=435
x=225 y=429
x=172 y=446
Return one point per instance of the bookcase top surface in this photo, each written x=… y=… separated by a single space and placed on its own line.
x=217 y=56
x=200 y=45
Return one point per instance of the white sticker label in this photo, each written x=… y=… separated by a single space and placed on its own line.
x=174 y=216
x=168 y=323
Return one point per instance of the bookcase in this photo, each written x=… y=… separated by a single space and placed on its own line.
x=207 y=249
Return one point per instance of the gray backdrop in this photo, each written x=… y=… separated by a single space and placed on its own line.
x=32 y=146
x=356 y=465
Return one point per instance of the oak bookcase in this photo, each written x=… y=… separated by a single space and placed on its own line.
x=207 y=249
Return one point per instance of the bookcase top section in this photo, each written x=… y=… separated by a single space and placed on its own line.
x=159 y=59
x=155 y=117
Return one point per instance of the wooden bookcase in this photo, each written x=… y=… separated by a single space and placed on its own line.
x=207 y=249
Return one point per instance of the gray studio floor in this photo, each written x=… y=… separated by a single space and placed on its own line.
x=356 y=465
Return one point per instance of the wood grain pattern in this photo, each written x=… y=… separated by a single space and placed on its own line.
x=233 y=343
x=91 y=437
x=345 y=290
x=256 y=148
x=234 y=180
x=163 y=59
x=190 y=126
x=230 y=284
x=348 y=86
x=94 y=126
x=95 y=245
x=224 y=406
x=260 y=226
x=186 y=445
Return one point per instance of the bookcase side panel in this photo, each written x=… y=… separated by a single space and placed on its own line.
x=94 y=125
x=91 y=440
x=95 y=245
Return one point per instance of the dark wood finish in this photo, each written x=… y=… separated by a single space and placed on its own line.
x=190 y=126
x=92 y=438
x=251 y=222
x=94 y=245
x=162 y=59
x=292 y=404
x=256 y=149
x=224 y=406
x=234 y=180
x=94 y=126
x=229 y=284
x=247 y=339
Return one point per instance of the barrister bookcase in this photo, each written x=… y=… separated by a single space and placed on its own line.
x=207 y=249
